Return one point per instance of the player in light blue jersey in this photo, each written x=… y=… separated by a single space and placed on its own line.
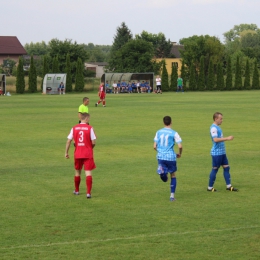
x=218 y=153
x=164 y=142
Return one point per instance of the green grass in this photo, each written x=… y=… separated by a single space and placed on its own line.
x=130 y=215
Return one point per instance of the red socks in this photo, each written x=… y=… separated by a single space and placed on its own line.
x=89 y=184
x=77 y=183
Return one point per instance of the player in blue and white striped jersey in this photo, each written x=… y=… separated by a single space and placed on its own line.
x=218 y=153
x=164 y=142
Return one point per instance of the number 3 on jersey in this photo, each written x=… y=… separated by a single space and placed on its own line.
x=81 y=136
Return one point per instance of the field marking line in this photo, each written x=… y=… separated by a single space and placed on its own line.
x=126 y=238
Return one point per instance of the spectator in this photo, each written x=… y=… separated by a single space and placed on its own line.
x=61 y=88
x=115 y=88
x=118 y=87
x=108 y=88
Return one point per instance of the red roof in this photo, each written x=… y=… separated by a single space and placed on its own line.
x=11 y=45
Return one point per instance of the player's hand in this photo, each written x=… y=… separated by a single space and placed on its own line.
x=230 y=137
x=178 y=155
x=67 y=156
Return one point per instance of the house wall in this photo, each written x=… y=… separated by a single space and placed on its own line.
x=169 y=62
x=11 y=57
x=98 y=69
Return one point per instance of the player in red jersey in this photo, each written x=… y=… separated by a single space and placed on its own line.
x=85 y=139
x=102 y=95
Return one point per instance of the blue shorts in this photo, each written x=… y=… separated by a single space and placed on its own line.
x=219 y=160
x=167 y=166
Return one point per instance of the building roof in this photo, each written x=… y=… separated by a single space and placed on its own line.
x=176 y=50
x=11 y=45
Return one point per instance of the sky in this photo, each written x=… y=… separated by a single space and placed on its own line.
x=96 y=21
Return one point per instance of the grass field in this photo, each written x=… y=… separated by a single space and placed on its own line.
x=130 y=215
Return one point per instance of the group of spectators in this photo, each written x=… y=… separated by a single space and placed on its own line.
x=130 y=87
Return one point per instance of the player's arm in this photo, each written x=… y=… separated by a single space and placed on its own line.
x=93 y=137
x=180 y=150
x=79 y=115
x=223 y=139
x=67 y=148
x=155 y=146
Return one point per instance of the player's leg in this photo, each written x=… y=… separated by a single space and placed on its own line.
x=89 y=165
x=172 y=168
x=89 y=182
x=162 y=171
x=216 y=162
x=104 y=100
x=226 y=174
x=78 y=166
x=173 y=186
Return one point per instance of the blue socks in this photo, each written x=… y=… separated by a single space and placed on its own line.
x=227 y=175
x=212 y=177
x=173 y=184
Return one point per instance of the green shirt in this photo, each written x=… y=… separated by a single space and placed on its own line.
x=83 y=109
x=179 y=81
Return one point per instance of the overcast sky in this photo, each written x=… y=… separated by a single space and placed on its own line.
x=96 y=21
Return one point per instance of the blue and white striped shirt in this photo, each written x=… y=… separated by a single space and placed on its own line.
x=217 y=148
x=165 y=139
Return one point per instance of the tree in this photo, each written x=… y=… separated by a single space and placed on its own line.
x=38 y=48
x=229 y=82
x=32 y=77
x=20 y=82
x=174 y=77
x=122 y=36
x=235 y=33
x=192 y=80
x=162 y=47
x=8 y=66
x=69 y=76
x=211 y=76
x=197 y=46
x=97 y=53
x=55 y=65
x=247 y=81
x=201 y=78
x=184 y=76
x=135 y=56
x=243 y=40
x=79 y=84
x=165 y=78
x=255 y=83
x=220 y=77
x=45 y=69
x=60 y=49
x=238 y=76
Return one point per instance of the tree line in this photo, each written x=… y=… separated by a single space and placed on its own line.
x=207 y=63
x=196 y=79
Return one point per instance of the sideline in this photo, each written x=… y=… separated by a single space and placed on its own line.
x=125 y=238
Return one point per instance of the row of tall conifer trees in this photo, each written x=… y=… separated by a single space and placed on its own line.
x=196 y=79
x=32 y=82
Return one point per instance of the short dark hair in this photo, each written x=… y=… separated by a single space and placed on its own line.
x=167 y=120
x=83 y=116
x=216 y=115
